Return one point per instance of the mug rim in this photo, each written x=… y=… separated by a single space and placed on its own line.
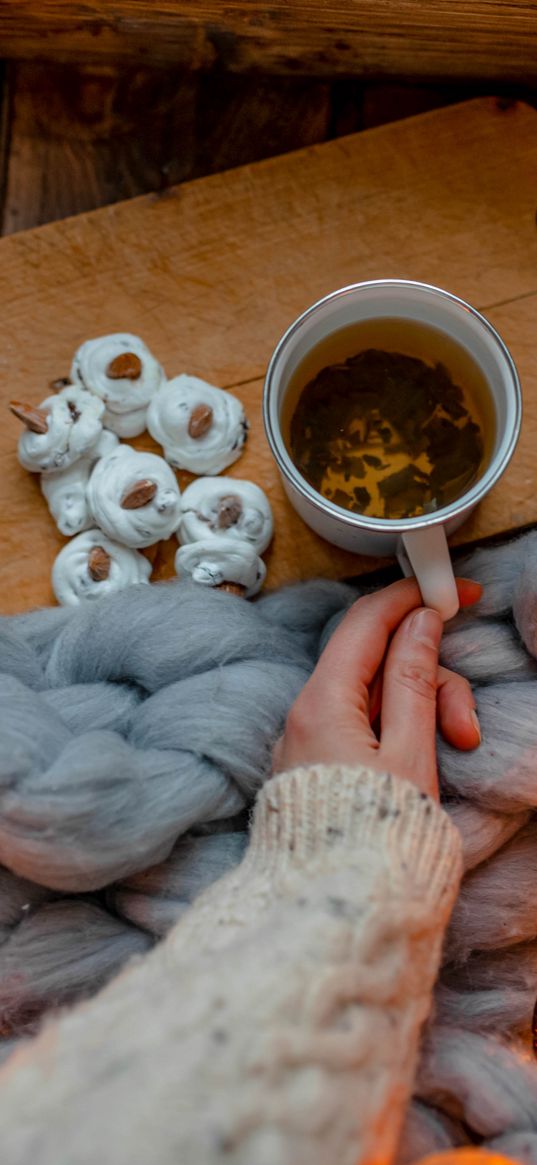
x=362 y=521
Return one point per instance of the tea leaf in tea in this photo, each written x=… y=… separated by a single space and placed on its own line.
x=386 y=434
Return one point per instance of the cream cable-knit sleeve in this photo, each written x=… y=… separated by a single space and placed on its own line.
x=278 y=1024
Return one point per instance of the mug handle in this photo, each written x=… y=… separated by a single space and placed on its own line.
x=425 y=554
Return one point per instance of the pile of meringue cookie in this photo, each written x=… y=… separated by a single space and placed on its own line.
x=114 y=501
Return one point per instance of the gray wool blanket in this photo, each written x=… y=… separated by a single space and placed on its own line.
x=134 y=734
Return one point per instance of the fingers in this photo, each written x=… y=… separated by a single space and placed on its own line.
x=356 y=649
x=375 y=697
x=457 y=718
x=408 y=717
x=331 y=719
x=469 y=591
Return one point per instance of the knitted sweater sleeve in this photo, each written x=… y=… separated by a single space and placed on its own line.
x=279 y=1022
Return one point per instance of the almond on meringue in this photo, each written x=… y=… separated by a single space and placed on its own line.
x=134 y=497
x=201 y=428
x=91 y=566
x=64 y=428
x=124 y=374
x=226 y=507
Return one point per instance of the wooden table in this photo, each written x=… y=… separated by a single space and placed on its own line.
x=211 y=274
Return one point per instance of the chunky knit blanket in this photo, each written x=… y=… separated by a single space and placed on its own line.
x=134 y=734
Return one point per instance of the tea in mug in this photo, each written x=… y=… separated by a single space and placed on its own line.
x=401 y=427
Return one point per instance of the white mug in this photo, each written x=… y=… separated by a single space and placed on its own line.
x=420 y=543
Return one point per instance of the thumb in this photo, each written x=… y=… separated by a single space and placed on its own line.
x=408 y=718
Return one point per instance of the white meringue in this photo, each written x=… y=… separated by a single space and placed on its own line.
x=169 y=418
x=228 y=508
x=72 y=580
x=112 y=479
x=75 y=424
x=126 y=398
x=66 y=490
x=106 y=444
x=222 y=560
x=66 y=495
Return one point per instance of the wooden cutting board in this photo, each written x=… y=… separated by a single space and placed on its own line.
x=211 y=273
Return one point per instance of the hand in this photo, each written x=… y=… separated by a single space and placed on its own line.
x=383 y=655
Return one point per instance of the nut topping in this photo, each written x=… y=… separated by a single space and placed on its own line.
x=201 y=419
x=139 y=494
x=59 y=383
x=232 y=589
x=126 y=366
x=229 y=510
x=36 y=420
x=99 y=563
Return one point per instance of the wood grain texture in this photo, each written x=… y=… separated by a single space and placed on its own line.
x=493 y=39
x=211 y=273
x=81 y=137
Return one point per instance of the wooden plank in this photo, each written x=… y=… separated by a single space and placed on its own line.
x=87 y=136
x=513 y=503
x=5 y=133
x=210 y=275
x=491 y=39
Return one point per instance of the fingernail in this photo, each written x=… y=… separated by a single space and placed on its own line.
x=475 y=723
x=426 y=627
x=472 y=590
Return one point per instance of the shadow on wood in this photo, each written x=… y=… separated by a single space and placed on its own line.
x=79 y=138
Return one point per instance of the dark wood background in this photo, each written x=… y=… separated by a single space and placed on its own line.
x=103 y=101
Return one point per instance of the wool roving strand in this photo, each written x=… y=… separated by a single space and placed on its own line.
x=88 y=804
x=477 y=1077
x=156 y=898
x=68 y=949
x=498 y=569
x=501 y=774
x=426 y=1130
x=101 y=778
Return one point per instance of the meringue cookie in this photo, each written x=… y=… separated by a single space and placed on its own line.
x=134 y=497
x=226 y=507
x=74 y=423
x=122 y=371
x=66 y=490
x=92 y=566
x=221 y=560
x=66 y=495
x=106 y=444
x=201 y=428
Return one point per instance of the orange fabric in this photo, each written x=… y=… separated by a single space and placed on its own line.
x=466 y=1157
